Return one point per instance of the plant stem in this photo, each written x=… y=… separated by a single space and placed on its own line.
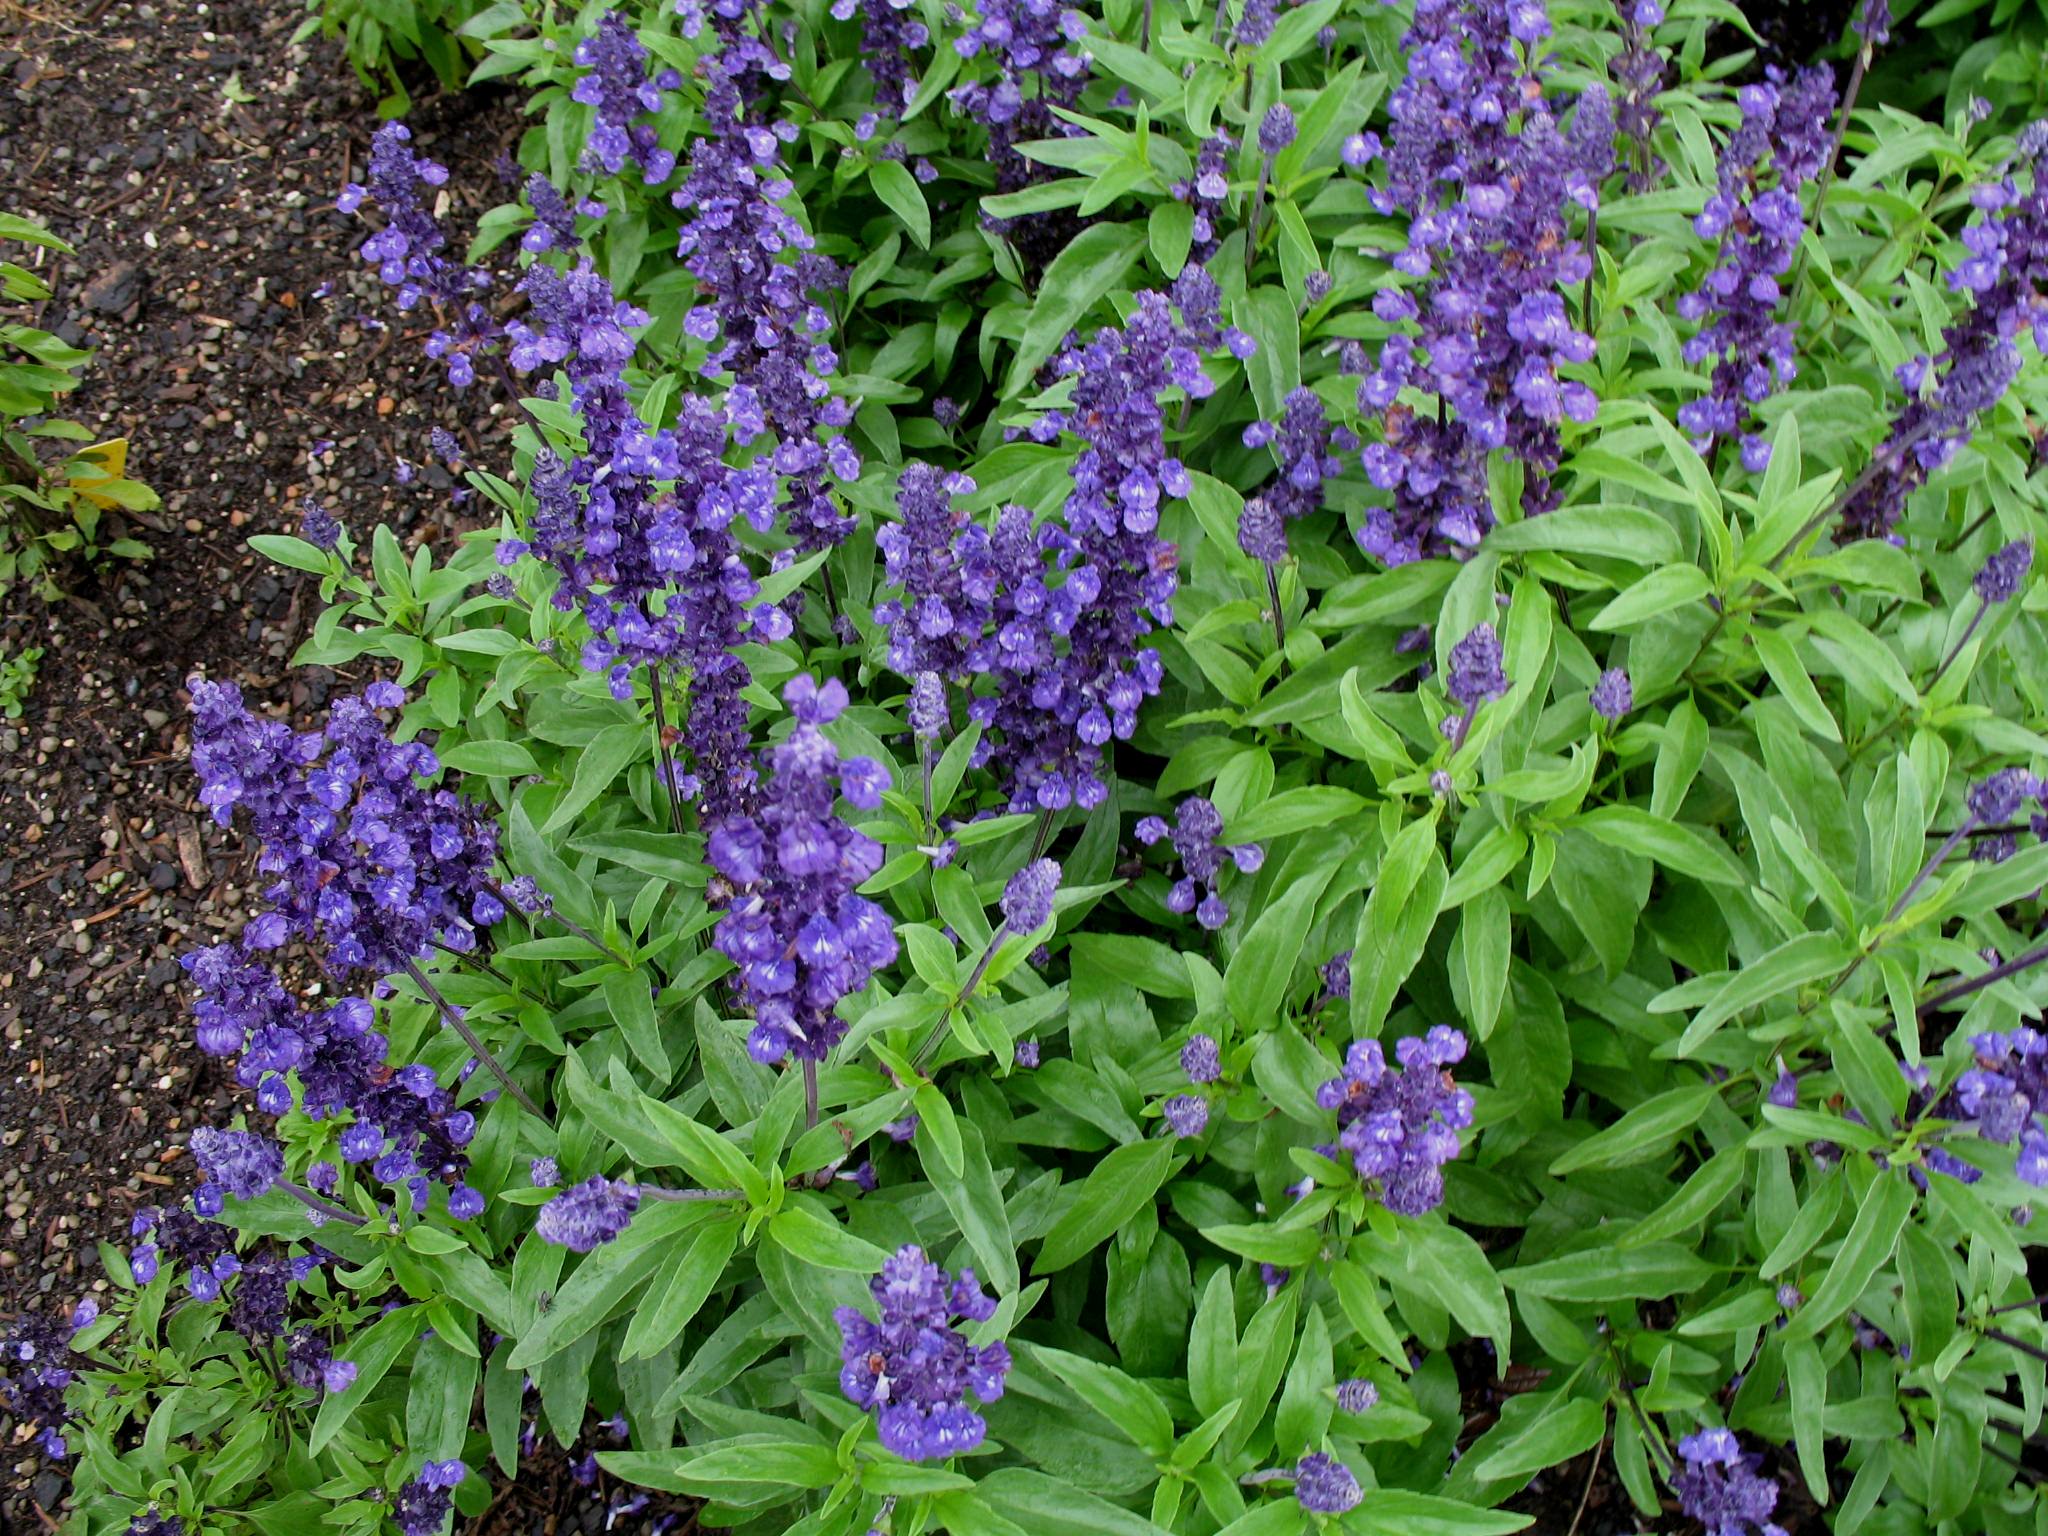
x=476 y=1046
x=661 y=752
x=1279 y=615
x=313 y=1202
x=657 y=1192
x=810 y=1071
x=1996 y=974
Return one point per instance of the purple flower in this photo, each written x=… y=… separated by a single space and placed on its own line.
x=1755 y=215
x=2005 y=572
x=1336 y=974
x=756 y=272
x=1718 y=1486
x=2003 y=273
x=1476 y=671
x=889 y=31
x=1614 y=695
x=1187 y=1114
x=1026 y=1054
x=1492 y=188
x=616 y=86
x=1325 y=1486
x=1307 y=451
x=1038 y=63
x=318 y=526
x=543 y=1173
x=1201 y=1060
x=1873 y=23
x=1207 y=193
x=149 y=1522
x=1276 y=129
x=35 y=1370
x=585 y=1215
x=422 y=1505
x=1400 y=1125
x=928 y=714
x=309 y=1360
x=407 y=253
x=1027 y=898
x=792 y=925
x=911 y=1367
x=1197 y=840
x=1356 y=1395
x=242 y=1163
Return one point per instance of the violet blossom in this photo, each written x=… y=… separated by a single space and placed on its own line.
x=912 y=1367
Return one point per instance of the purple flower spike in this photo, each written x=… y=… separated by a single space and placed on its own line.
x=1476 y=668
x=2005 y=572
x=1755 y=214
x=1718 y=1486
x=423 y=1505
x=1201 y=1060
x=244 y=1164
x=912 y=1367
x=1401 y=1125
x=589 y=1214
x=1187 y=1114
x=1276 y=129
x=1027 y=898
x=617 y=87
x=1325 y=1486
x=1614 y=695
x=793 y=924
x=1356 y=1395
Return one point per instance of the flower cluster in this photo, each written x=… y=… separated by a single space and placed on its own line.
x=889 y=32
x=1489 y=181
x=947 y=575
x=422 y=1505
x=1308 y=453
x=1783 y=138
x=358 y=851
x=2004 y=1095
x=407 y=252
x=755 y=309
x=2005 y=274
x=589 y=1214
x=1038 y=67
x=912 y=1368
x=1718 y=1485
x=793 y=925
x=1400 y=1125
x=1206 y=193
x=2005 y=572
x=1197 y=836
x=35 y=1368
x=616 y=87
x=1323 y=1485
x=1613 y=696
x=1052 y=714
x=1639 y=71
x=401 y=1124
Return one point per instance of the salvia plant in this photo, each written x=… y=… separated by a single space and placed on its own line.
x=1257 y=770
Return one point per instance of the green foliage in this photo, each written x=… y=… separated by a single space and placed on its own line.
x=385 y=40
x=53 y=495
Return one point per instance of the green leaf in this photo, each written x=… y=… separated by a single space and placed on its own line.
x=296 y=553
x=1614 y=532
x=1133 y=1407
x=1257 y=978
x=632 y=1008
x=976 y=1201
x=818 y=1240
x=1645 y=1131
x=1666 y=588
x=1610 y=1274
x=609 y=754
x=1444 y=1263
x=1093 y=263
x=1397 y=1512
x=1170 y=230
x=1116 y=1189
x=605 y=1278
x=1808 y=1380
x=672 y=1302
x=492 y=759
x=1212 y=1346
x=895 y=186
x=372 y=1353
x=1562 y=1431
x=1872 y=1236
x=1673 y=844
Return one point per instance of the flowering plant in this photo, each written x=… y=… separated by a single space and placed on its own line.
x=1232 y=770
